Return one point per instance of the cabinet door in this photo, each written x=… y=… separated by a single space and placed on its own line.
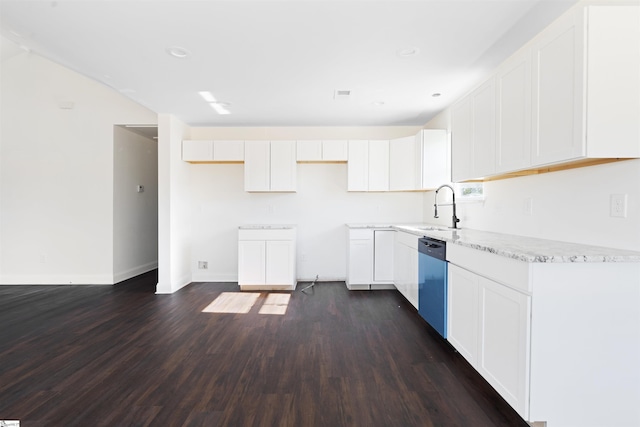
x=400 y=266
x=360 y=261
x=484 y=129
x=383 y=255
x=251 y=262
x=197 y=150
x=412 y=277
x=436 y=165
x=557 y=92
x=228 y=151
x=358 y=166
x=309 y=151
x=402 y=164
x=504 y=336
x=335 y=150
x=462 y=306
x=461 y=140
x=279 y=262
x=257 y=166
x=378 y=165
x=513 y=138
x=283 y=166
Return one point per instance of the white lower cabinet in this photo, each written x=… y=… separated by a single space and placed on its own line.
x=266 y=259
x=503 y=359
x=489 y=325
x=405 y=273
x=462 y=327
x=371 y=262
x=552 y=338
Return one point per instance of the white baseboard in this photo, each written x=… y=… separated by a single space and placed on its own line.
x=56 y=279
x=133 y=272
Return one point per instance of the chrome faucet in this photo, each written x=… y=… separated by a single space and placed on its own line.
x=455 y=220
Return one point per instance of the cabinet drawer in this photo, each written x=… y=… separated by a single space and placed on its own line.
x=408 y=239
x=361 y=234
x=267 y=234
x=507 y=271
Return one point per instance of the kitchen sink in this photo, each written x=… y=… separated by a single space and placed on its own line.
x=434 y=228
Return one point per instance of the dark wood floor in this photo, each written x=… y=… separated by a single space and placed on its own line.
x=122 y=356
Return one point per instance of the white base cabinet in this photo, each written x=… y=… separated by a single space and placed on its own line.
x=560 y=342
x=405 y=273
x=266 y=259
x=370 y=260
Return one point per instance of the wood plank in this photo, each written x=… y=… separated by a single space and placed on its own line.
x=121 y=355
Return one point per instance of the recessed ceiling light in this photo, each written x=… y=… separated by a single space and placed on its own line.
x=435 y=95
x=178 y=52
x=378 y=103
x=409 y=51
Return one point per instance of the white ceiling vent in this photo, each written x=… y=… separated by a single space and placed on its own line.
x=342 y=95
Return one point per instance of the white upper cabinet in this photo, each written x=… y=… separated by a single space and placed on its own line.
x=309 y=151
x=270 y=166
x=513 y=133
x=461 y=134
x=197 y=150
x=194 y=150
x=557 y=84
x=570 y=94
x=403 y=164
x=322 y=151
x=484 y=129
x=358 y=166
x=434 y=165
x=368 y=165
x=379 y=165
x=419 y=162
x=586 y=90
x=335 y=150
x=228 y=151
x=473 y=134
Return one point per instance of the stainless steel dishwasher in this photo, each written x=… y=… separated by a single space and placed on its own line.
x=432 y=283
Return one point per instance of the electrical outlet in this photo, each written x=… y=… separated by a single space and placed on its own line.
x=618 y=205
x=203 y=265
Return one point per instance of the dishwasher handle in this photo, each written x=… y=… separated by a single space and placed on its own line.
x=433 y=247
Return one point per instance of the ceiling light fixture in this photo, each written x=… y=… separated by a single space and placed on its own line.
x=378 y=103
x=435 y=95
x=407 y=52
x=219 y=107
x=178 y=52
x=207 y=96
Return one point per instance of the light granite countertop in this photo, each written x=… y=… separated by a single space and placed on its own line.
x=266 y=227
x=527 y=249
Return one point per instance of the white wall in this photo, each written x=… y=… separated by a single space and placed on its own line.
x=174 y=207
x=135 y=215
x=56 y=182
x=320 y=208
x=570 y=205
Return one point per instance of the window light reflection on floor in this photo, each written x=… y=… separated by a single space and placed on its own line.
x=242 y=302
x=275 y=304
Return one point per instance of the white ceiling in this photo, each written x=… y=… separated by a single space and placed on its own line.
x=278 y=63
